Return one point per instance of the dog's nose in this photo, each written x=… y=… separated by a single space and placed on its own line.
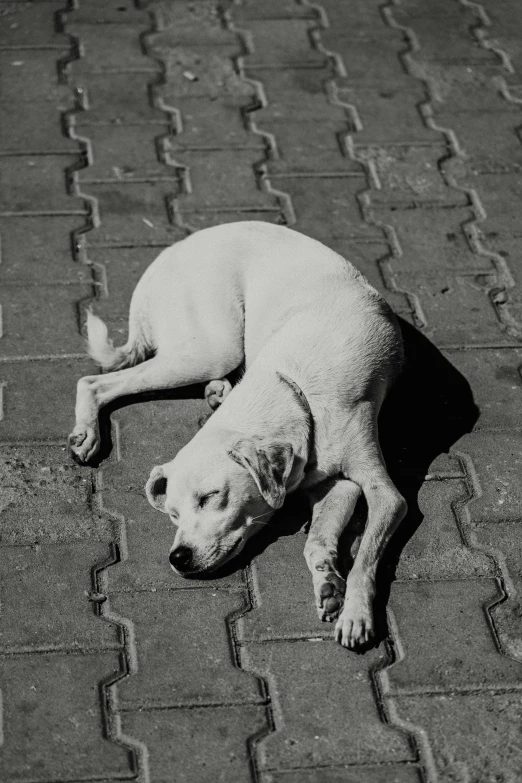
x=181 y=558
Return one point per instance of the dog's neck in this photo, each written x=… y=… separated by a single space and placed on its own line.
x=268 y=404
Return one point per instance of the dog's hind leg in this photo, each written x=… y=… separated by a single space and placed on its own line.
x=95 y=391
x=334 y=503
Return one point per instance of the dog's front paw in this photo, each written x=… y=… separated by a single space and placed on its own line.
x=329 y=596
x=355 y=626
x=216 y=391
x=84 y=442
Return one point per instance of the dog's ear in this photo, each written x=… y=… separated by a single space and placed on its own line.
x=156 y=489
x=269 y=463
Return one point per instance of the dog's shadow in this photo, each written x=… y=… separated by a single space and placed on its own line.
x=428 y=409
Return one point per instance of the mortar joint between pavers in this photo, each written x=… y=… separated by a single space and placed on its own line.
x=506 y=586
x=479 y=31
x=282 y=199
x=251 y=602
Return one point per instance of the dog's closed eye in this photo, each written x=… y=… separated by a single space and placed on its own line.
x=203 y=499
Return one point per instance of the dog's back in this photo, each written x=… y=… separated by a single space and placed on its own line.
x=232 y=287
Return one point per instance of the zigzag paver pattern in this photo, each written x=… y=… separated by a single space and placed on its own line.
x=390 y=130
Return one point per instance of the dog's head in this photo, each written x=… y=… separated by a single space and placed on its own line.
x=218 y=496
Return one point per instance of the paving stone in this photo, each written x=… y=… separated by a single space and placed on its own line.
x=326 y=206
x=409 y=172
x=500 y=195
x=176 y=36
x=39 y=250
x=474 y=133
x=215 y=78
x=48 y=606
x=461 y=89
x=282 y=43
x=272 y=9
x=34 y=183
x=388 y=111
x=386 y=773
x=296 y=93
x=311 y=147
x=299 y=104
x=344 y=725
x=446 y=36
x=473 y=736
x=124 y=152
x=432 y=240
x=188 y=626
x=23 y=128
x=55 y=729
x=495 y=379
x=31 y=24
x=281 y=571
x=206 y=745
x=116 y=98
x=46 y=498
x=128 y=209
x=32 y=76
x=446 y=639
x=342 y=17
x=436 y=549
x=47 y=415
x=111 y=47
x=457 y=309
x=210 y=175
x=97 y=12
x=357 y=50
x=497 y=463
x=33 y=316
x=198 y=19
x=214 y=124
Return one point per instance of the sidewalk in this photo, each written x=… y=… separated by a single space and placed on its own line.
x=392 y=132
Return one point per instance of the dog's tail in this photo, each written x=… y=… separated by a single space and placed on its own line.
x=102 y=350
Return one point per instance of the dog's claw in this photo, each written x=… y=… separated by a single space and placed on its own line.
x=84 y=442
x=355 y=626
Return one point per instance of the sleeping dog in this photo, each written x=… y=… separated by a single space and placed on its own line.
x=320 y=347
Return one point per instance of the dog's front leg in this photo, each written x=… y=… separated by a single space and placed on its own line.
x=386 y=509
x=334 y=504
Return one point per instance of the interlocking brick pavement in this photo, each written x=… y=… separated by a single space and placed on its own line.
x=390 y=130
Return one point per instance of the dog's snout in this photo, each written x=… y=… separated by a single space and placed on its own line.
x=181 y=558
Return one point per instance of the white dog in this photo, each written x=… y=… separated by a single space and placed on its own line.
x=321 y=349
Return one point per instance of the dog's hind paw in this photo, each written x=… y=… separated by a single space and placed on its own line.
x=216 y=391
x=330 y=597
x=84 y=442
